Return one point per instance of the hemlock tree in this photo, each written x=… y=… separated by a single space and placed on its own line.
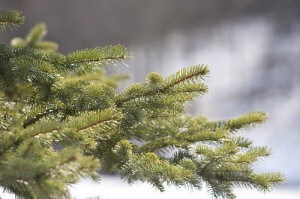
x=61 y=117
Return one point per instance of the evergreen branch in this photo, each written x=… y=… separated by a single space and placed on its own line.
x=34 y=39
x=176 y=83
x=134 y=91
x=128 y=132
x=97 y=56
x=47 y=46
x=86 y=121
x=10 y=18
x=195 y=88
x=97 y=123
x=39 y=116
x=46 y=131
x=266 y=181
x=248 y=120
x=182 y=139
x=186 y=74
x=36 y=34
x=120 y=100
x=148 y=167
x=29 y=147
x=94 y=118
x=34 y=131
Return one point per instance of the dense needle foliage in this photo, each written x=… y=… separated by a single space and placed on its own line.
x=61 y=118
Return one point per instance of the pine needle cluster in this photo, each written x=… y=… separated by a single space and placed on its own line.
x=62 y=119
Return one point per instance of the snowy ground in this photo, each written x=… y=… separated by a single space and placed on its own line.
x=114 y=188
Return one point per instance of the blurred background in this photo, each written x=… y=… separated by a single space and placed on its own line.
x=251 y=46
